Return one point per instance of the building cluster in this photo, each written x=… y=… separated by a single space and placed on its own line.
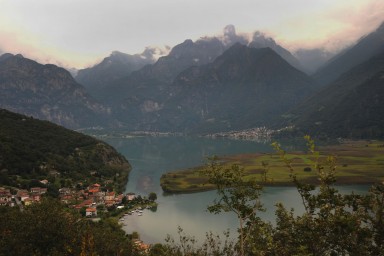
x=259 y=134
x=6 y=198
x=25 y=196
x=87 y=198
x=91 y=197
x=141 y=246
x=31 y=196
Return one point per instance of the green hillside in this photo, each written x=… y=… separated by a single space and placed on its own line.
x=31 y=149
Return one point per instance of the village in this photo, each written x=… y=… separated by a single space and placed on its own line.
x=93 y=202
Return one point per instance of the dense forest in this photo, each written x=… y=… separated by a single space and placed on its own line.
x=49 y=228
x=31 y=149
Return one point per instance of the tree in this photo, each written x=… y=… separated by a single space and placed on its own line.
x=236 y=194
x=332 y=223
x=188 y=245
x=49 y=228
x=152 y=196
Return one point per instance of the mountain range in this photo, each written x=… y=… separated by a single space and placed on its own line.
x=47 y=92
x=234 y=92
x=213 y=84
x=115 y=71
x=115 y=66
x=350 y=107
x=367 y=47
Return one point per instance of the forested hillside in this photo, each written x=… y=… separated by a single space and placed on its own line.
x=33 y=149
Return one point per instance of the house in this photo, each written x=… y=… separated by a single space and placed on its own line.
x=109 y=203
x=22 y=194
x=65 y=191
x=86 y=203
x=94 y=186
x=5 y=197
x=38 y=190
x=119 y=199
x=110 y=196
x=141 y=246
x=99 y=196
x=130 y=196
x=66 y=198
x=91 y=212
x=93 y=191
x=45 y=182
x=35 y=197
x=28 y=201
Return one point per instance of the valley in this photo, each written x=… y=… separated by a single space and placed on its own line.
x=104 y=137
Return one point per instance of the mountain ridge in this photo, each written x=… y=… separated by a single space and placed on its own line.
x=207 y=96
x=364 y=49
x=47 y=92
x=349 y=107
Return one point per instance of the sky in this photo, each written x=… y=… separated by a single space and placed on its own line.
x=80 y=33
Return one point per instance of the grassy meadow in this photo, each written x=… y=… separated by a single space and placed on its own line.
x=358 y=162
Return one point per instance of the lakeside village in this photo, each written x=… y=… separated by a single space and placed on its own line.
x=94 y=202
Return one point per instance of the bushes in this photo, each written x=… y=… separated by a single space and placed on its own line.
x=48 y=228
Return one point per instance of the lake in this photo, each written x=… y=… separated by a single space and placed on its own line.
x=150 y=157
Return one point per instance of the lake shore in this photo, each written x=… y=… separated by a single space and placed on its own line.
x=358 y=163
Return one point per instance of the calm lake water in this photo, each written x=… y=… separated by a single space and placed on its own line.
x=150 y=157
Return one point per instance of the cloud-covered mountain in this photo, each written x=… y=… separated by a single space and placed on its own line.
x=230 y=37
x=151 y=82
x=113 y=67
x=115 y=71
x=352 y=106
x=237 y=90
x=47 y=92
x=260 y=40
x=182 y=56
x=366 y=48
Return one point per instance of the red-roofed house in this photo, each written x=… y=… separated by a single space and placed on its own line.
x=38 y=190
x=91 y=212
x=110 y=196
x=5 y=197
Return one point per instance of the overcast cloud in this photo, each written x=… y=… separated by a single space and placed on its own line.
x=77 y=33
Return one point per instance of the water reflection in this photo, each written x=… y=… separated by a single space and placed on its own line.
x=150 y=157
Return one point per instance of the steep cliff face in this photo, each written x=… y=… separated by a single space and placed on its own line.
x=47 y=92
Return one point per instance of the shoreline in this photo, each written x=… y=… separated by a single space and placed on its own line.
x=358 y=163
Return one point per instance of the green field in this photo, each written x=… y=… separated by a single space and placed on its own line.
x=358 y=162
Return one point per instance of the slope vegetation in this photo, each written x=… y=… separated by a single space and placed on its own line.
x=33 y=149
